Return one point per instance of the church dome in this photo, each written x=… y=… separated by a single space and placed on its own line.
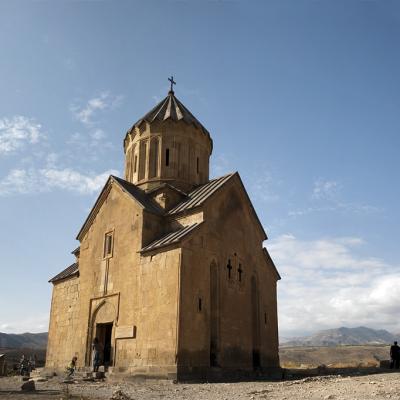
x=171 y=108
x=168 y=145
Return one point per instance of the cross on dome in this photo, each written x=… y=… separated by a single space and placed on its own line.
x=172 y=83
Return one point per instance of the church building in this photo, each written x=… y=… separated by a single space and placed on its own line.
x=170 y=274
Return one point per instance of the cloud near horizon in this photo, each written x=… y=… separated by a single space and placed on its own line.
x=326 y=283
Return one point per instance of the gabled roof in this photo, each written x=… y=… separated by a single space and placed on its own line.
x=268 y=257
x=171 y=108
x=132 y=190
x=68 y=272
x=200 y=194
x=140 y=195
x=171 y=238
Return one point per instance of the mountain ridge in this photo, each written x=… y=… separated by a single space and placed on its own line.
x=23 y=340
x=343 y=336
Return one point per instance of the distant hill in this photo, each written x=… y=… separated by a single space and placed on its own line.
x=23 y=340
x=343 y=336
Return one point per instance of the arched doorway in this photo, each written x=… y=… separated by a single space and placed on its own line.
x=102 y=328
x=255 y=323
x=214 y=316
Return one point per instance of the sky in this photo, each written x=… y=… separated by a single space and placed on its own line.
x=301 y=97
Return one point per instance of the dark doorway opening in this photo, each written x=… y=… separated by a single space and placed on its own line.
x=104 y=334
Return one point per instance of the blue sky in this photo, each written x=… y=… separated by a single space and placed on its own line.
x=301 y=97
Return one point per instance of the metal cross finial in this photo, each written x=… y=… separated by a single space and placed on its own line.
x=172 y=83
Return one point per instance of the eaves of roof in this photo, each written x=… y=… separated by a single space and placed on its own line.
x=200 y=194
x=267 y=255
x=170 y=238
x=68 y=272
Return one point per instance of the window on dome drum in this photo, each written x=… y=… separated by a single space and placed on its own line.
x=265 y=318
x=135 y=164
x=199 y=305
x=167 y=157
x=229 y=267
x=108 y=244
x=197 y=165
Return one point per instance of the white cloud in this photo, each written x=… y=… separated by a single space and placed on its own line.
x=104 y=101
x=262 y=187
x=324 y=189
x=327 y=196
x=23 y=181
x=18 y=131
x=97 y=134
x=327 y=284
x=220 y=165
x=36 y=324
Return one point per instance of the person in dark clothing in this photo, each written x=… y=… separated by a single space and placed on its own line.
x=394 y=356
x=96 y=354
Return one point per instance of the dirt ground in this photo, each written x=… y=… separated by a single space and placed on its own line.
x=378 y=386
x=336 y=357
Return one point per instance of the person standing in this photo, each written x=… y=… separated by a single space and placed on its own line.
x=394 y=356
x=96 y=354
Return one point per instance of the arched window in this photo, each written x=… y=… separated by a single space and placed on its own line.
x=142 y=159
x=153 y=167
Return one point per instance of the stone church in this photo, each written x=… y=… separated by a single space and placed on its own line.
x=170 y=275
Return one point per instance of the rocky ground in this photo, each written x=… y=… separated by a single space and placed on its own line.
x=378 y=386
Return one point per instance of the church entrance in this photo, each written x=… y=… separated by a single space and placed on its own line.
x=104 y=334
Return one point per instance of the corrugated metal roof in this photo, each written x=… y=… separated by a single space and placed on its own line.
x=199 y=195
x=170 y=238
x=171 y=108
x=67 y=273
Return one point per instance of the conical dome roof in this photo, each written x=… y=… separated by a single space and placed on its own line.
x=171 y=108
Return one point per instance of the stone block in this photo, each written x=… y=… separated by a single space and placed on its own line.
x=28 y=386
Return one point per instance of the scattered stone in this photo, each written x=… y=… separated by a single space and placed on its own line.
x=39 y=379
x=28 y=386
x=329 y=397
x=120 y=395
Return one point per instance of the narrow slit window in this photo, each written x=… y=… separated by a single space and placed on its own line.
x=240 y=273
x=197 y=165
x=229 y=267
x=135 y=164
x=199 y=305
x=167 y=157
x=265 y=318
x=108 y=245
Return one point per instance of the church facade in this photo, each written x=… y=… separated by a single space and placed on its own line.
x=170 y=274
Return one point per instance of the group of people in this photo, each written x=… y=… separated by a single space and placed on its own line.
x=27 y=365
x=95 y=359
